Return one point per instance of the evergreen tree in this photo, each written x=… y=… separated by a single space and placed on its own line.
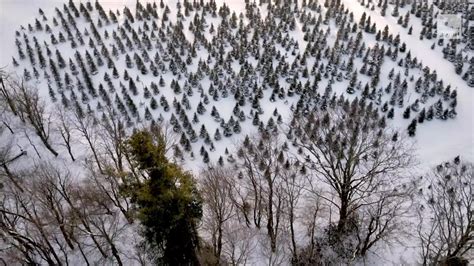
x=168 y=203
x=412 y=128
x=153 y=104
x=148 y=115
x=430 y=114
x=406 y=113
x=237 y=129
x=390 y=113
x=421 y=116
x=52 y=94
x=217 y=135
x=132 y=87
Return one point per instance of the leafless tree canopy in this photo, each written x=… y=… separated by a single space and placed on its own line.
x=46 y=217
x=363 y=163
x=446 y=231
x=216 y=189
x=261 y=163
x=25 y=103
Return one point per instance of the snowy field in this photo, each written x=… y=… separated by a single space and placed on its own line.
x=435 y=141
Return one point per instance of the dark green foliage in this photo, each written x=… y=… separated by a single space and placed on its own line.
x=412 y=128
x=168 y=203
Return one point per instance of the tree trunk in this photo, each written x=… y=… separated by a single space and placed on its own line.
x=219 y=243
x=115 y=252
x=68 y=146
x=270 y=227
x=292 y=232
x=62 y=228
x=343 y=213
x=96 y=157
x=9 y=99
x=47 y=145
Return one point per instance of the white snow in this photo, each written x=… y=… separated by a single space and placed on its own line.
x=436 y=141
x=441 y=140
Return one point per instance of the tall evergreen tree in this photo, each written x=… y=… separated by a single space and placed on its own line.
x=169 y=206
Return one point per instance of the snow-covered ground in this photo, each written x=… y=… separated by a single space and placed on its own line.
x=436 y=141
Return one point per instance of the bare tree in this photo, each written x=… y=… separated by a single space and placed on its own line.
x=91 y=214
x=240 y=243
x=109 y=184
x=46 y=216
x=255 y=179
x=361 y=161
x=309 y=254
x=112 y=137
x=293 y=182
x=24 y=223
x=100 y=219
x=7 y=104
x=66 y=128
x=7 y=158
x=446 y=230
x=30 y=109
x=6 y=94
x=86 y=125
x=47 y=194
x=216 y=189
x=274 y=256
x=261 y=161
x=382 y=219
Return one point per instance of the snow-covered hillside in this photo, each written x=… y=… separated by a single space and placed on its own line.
x=436 y=140
x=219 y=71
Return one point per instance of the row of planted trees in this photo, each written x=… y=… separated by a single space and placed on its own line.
x=335 y=187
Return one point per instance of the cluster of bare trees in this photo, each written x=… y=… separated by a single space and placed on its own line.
x=344 y=161
x=263 y=192
x=49 y=216
x=446 y=230
x=364 y=165
x=24 y=102
x=104 y=136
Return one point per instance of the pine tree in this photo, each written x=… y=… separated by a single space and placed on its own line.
x=168 y=213
x=153 y=104
x=421 y=116
x=217 y=135
x=390 y=113
x=205 y=157
x=146 y=93
x=154 y=88
x=406 y=113
x=412 y=128
x=162 y=82
x=128 y=61
x=132 y=87
x=430 y=113
x=200 y=108
x=26 y=75
x=52 y=94
x=203 y=132
x=148 y=115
